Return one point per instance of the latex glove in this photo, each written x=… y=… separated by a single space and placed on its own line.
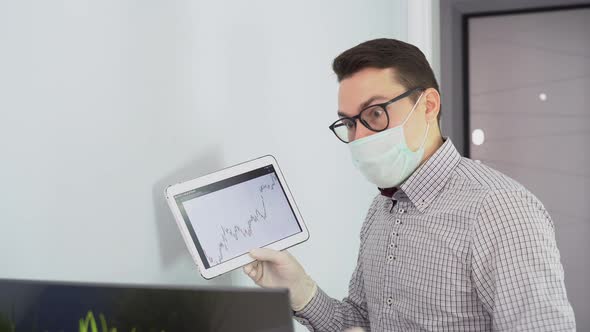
x=279 y=269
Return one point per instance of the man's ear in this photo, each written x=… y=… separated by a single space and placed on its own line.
x=431 y=100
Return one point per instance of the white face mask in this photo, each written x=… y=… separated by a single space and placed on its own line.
x=384 y=158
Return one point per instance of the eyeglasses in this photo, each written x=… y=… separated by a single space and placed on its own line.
x=374 y=117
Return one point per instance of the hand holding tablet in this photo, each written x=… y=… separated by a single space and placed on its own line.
x=223 y=215
x=279 y=269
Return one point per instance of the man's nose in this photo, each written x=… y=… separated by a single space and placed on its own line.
x=361 y=131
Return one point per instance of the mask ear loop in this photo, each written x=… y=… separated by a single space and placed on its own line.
x=427 y=123
x=412 y=111
x=425 y=135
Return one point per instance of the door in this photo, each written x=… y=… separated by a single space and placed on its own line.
x=529 y=117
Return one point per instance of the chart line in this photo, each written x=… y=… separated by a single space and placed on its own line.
x=236 y=232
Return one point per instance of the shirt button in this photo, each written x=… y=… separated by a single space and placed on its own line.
x=401 y=210
x=397 y=221
x=390 y=258
x=391 y=246
x=389 y=301
x=393 y=234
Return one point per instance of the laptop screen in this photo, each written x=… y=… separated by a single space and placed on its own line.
x=53 y=307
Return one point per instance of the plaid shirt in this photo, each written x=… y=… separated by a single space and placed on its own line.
x=459 y=247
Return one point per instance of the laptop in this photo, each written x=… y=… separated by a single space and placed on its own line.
x=48 y=306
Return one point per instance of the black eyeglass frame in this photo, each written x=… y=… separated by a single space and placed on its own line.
x=364 y=123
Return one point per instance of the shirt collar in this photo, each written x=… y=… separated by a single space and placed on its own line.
x=426 y=183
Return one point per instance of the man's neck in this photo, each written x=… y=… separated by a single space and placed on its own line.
x=432 y=146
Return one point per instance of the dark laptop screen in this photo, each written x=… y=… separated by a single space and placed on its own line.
x=52 y=307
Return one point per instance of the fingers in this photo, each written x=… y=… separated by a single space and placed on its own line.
x=259 y=273
x=253 y=270
x=268 y=255
x=248 y=267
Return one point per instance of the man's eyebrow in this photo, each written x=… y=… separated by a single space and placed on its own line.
x=366 y=103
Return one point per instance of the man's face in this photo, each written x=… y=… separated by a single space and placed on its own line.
x=374 y=86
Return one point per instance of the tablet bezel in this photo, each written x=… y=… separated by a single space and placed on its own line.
x=239 y=261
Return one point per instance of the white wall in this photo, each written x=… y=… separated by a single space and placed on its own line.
x=104 y=103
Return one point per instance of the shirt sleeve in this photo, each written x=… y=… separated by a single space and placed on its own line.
x=516 y=268
x=324 y=313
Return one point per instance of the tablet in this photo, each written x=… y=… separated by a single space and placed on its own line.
x=225 y=214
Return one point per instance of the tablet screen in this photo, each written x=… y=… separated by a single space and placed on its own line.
x=228 y=218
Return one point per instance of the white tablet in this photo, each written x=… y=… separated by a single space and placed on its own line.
x=225 y=214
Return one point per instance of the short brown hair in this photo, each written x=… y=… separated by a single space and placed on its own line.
x=412 y=68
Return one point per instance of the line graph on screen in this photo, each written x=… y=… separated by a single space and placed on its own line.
x=247 y=229
x=231 y=221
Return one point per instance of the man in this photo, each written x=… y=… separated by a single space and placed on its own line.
x=449 y=244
